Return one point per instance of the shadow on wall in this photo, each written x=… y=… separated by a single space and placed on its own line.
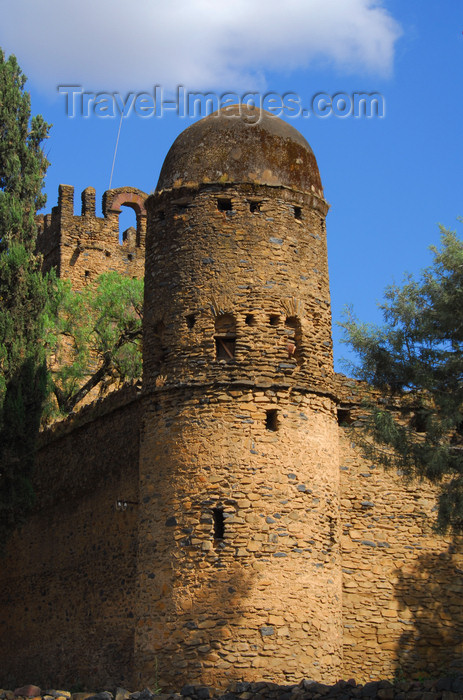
x=430 y=592
x=195 y=587
x=201 y=643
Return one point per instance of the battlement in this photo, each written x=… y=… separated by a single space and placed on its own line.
x=82 y=247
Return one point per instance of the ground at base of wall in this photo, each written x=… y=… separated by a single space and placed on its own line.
x=447 y=688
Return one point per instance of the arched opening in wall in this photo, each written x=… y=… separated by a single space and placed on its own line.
x=293 y=332
x=225 y=337
x=128 y=226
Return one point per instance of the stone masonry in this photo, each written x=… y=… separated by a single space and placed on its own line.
x=220 y=525
x=82 y=247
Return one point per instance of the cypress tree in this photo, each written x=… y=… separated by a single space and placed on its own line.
x=23 y=293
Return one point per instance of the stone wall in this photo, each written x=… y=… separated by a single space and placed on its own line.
x=82 y=247
x=68 y=581
x=257 y=543
x=402 y=583
x=260 y=599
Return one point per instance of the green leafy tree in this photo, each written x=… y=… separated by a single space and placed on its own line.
x=23 y=293
x=93 y=337
x=416 y=360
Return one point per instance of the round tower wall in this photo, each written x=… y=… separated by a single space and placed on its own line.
x=253 y=253
x=239 y=564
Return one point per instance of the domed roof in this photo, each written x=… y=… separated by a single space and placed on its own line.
x=241 y=144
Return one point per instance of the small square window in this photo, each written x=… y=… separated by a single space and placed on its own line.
x=344 y=416
x=224 y=204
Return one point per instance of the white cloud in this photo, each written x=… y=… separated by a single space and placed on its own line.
x=202 y=44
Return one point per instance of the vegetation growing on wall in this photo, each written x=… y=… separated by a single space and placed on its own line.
x=417 y=356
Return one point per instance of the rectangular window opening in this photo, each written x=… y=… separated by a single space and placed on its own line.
x=298 y=213
x=219 y=523
x=271 y=419
x=225 y=348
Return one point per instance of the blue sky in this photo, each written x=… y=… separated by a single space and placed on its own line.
x=389 y=180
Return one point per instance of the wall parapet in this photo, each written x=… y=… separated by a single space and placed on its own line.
x=80 y=247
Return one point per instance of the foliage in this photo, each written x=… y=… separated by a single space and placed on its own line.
x=416 y=359
x=52 y=340
x=23 y=293
x=93 y=337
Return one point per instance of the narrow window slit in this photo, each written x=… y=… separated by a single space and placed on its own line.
x=293 y=338
x=224 y=204
x=219 y=523
x=271 y=419
x=298 y=213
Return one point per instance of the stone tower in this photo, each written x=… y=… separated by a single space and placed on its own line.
x=239 y=565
